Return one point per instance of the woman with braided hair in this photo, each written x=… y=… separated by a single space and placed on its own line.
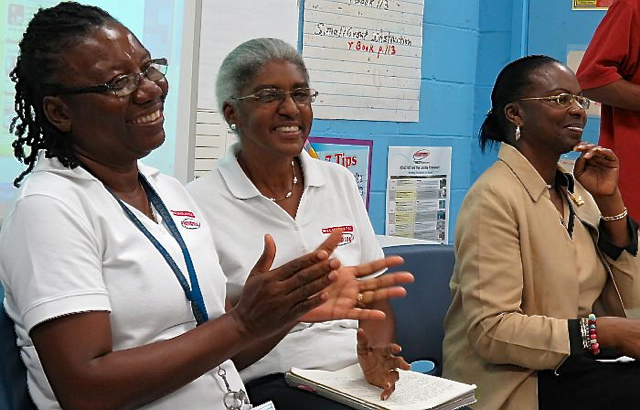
x=109 y=270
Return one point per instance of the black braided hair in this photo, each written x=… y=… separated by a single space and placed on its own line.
x=510 y=85
x=49 y=34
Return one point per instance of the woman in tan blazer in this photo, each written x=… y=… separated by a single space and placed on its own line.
x=537 y=251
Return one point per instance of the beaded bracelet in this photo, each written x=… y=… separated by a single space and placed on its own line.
x=584 y=333
x=615 y=217
x=593 y=335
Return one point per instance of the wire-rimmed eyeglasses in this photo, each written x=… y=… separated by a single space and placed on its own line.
x=123 y=85
x=564 y=100
x=301 y=96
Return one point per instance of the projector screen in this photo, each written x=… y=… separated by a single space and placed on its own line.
x=165 y=27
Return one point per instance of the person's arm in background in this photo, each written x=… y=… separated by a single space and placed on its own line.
x=610 y=60
x=621 y=94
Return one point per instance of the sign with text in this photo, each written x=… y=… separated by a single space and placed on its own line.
x=364 y=57
x=355 y=155
x=418 y=193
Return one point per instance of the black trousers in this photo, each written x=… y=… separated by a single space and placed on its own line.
x=586 y=384
x=273 y=387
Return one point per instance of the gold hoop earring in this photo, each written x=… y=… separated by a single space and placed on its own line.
x=517 y=132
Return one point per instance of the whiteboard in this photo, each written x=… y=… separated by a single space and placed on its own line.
x=365 y=58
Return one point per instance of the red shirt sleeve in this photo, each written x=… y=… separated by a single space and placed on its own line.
x=613 y=51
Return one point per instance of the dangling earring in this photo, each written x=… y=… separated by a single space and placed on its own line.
x=233 y=127
x=517 y=132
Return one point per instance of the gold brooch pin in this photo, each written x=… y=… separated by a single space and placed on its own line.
x=577 y=199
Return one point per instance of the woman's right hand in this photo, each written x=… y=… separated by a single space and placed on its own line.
x=273 y=300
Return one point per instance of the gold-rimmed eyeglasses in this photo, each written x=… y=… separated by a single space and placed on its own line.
x=564 y=100
x=301 y=96
x=122 y=85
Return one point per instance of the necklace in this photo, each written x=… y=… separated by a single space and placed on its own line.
x=152 y=214
x=294 y=181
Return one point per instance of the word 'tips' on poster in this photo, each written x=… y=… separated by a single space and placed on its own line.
x=355 y=155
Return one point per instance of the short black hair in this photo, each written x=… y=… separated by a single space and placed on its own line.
x=49 y=34
x=510 y=85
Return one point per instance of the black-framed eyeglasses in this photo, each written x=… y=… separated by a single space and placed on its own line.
x=123 y=85
x=301 y=96
x=564 y=100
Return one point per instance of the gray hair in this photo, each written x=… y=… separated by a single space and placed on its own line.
x=242 y=64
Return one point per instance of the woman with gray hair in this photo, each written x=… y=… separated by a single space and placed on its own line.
x=267 y=183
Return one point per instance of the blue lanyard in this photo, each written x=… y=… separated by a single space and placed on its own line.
x=193 y=293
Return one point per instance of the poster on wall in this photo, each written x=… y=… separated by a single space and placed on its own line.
x=364 y=57
x=355 y=155
x=418 y=184
x=591 y=4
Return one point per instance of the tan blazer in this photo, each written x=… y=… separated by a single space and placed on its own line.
x=514 y=284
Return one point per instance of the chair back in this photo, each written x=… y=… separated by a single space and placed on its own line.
x=420 y=315
x=13 y=376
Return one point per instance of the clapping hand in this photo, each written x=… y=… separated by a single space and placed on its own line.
x=596 y=169
x=379 y=364
x=273 y=300
x=348 y=296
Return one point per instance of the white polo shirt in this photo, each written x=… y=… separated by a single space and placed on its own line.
x=239 y=217
x=68 y=247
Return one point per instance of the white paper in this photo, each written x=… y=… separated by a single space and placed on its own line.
x=414 y=391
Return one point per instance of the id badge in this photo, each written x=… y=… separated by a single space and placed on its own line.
x=266 y=406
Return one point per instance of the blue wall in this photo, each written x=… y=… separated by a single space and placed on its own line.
x=555 y=29
x=465 y=44
x=447 y=104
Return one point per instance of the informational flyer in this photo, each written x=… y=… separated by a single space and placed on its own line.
x=591 y=4
x=355 y=155
x=418 y=193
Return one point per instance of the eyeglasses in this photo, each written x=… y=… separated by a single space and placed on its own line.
x=301 y=96
x=564 y=100
x=123 y=85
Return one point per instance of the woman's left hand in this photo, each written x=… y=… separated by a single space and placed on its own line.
x=351 y=295
x=597 y=169
x=380 y=364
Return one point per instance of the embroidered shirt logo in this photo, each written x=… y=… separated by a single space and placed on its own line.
x=190 y=223
x=183 y=213
x=347 y=233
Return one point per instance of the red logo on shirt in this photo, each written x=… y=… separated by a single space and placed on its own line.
x=346 y=239
x=190 y=223
x=347 y=235
x=345 y=228
x=183 y=213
